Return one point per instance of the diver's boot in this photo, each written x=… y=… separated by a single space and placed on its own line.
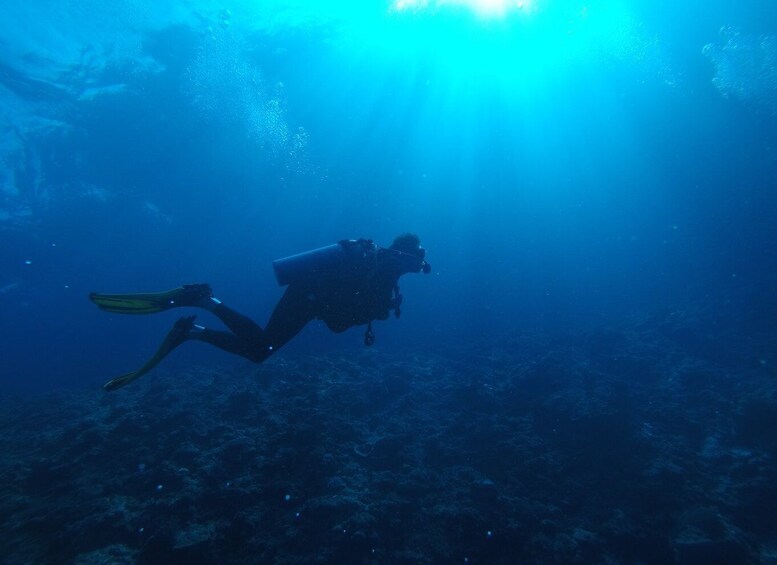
x=199 y=295
x=175 y=337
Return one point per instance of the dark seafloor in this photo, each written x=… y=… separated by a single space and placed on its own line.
x=652 y=443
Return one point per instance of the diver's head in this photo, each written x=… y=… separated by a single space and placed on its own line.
x=407 y=247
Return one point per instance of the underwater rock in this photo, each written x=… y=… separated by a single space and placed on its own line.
x=622 y=445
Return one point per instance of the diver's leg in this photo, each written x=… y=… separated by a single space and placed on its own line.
x=247 y=339
x=242 y=326
x=231 y=343
x=294 y=310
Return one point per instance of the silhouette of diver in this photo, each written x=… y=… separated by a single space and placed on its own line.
x=349 y=283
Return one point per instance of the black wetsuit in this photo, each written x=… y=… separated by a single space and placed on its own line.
x=342 y=302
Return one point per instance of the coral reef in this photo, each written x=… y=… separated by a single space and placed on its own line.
x=653 y=443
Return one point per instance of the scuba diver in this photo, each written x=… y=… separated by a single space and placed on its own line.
x=345 y=284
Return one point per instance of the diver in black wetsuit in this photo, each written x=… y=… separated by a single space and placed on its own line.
x=349 y=283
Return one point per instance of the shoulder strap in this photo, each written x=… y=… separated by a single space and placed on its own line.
x=397 y=302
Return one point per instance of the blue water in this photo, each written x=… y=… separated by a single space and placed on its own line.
x=568 y=165
x=587 y=374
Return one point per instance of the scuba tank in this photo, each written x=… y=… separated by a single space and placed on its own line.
x=342 y=259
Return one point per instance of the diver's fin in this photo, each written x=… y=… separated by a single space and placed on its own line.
x=119 y=382
x=150 y=302
x=175 y=337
